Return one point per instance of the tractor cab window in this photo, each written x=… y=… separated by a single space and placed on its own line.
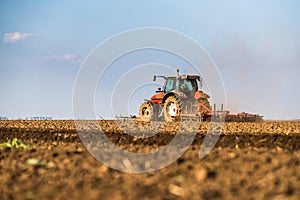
x=169 y=85
x=185 y=85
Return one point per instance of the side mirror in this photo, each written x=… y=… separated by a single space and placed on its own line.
x=154 y=78
x=200 y=82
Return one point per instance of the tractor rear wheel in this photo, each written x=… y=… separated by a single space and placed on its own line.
x=147 y=112
x=172 y=109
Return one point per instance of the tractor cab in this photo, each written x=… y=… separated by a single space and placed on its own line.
x=182 y=83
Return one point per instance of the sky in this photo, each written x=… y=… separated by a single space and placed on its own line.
x=255 y=45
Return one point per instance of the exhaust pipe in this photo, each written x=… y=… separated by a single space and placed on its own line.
x=177 y=71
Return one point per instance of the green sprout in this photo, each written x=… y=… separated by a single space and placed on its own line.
x=40 y=163
x=15 y=143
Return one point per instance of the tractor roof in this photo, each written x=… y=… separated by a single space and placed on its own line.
x=184 y=76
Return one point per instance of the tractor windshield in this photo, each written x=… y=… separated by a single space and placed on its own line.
x=184 y=85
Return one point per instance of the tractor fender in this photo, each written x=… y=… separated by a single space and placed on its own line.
x=176 y=93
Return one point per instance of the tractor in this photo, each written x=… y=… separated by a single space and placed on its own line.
x=180 y=97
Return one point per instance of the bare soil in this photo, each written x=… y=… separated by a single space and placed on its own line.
x=249 y=161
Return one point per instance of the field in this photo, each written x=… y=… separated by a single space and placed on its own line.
x=47 y=160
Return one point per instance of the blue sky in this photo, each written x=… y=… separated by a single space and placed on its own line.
x=255 y=44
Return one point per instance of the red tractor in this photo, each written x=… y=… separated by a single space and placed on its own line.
x=180 y=97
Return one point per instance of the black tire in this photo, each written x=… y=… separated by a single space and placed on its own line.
x=172 y=109
x=147 y=112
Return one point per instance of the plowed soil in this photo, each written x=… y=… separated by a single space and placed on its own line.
x=249 y=161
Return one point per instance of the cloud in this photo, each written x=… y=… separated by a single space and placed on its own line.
x=15 y=37
x=62 y=57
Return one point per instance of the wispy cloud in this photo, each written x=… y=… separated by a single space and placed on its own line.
x=63 y=57
x=16 y=36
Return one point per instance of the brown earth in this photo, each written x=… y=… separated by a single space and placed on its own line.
x=249 y=161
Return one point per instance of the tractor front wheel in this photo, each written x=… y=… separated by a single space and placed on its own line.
x=172 y=109
x=146 y=112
